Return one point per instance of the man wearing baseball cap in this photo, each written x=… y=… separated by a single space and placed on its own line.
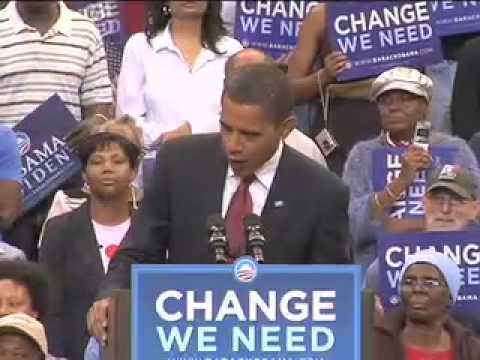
x=21 y=336
x=451 y=200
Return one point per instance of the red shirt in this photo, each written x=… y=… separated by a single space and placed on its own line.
x=415 y=354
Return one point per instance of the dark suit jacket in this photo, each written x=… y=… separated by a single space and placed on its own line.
x=304 y=218
x=70 y=253
x=465 y=106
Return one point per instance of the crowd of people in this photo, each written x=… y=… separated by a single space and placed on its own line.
x=218 y=121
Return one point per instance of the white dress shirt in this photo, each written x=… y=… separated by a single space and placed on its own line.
x=157 y=87
x=259 y=188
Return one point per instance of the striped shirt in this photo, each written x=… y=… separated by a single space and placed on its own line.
x=69 y=60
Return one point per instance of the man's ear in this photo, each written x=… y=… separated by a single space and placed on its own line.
x=476 y=211
x=288 y=125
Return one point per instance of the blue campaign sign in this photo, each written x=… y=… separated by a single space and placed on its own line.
x=46 y=160
x=271 y=26
x=108 y=19
x=212 y=312
x=456 y=17
x=386 y=167
x=462 y=246
x=379 y=35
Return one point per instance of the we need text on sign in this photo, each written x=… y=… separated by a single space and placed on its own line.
x=246 y=311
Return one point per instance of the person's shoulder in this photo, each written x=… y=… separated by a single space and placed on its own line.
x=305 y=170
x=66 y=220
x=302 y=143
x=6 y=131
x=440 y=138
x=137 y=42
x=138 y=38
x=79 y=19
x=464 y=335
x=9 y=140
x=196 y=144
x=228 y=45
x=4 y=15
x=365 y=146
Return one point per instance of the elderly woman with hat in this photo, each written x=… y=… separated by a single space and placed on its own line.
x=423 y=329
x=402 y=96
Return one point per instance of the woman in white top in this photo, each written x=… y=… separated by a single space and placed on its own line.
x=172 y=75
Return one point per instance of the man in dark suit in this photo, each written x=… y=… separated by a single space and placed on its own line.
x=303 y=207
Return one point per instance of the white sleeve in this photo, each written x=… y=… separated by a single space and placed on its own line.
x=131 y=81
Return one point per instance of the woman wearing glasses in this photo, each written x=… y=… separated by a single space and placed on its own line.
x=403 y=96
x=423 y=328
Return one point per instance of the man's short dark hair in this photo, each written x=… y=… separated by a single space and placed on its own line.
x=33 y=277
x=263 y=85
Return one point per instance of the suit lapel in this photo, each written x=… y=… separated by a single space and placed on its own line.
x=275 y=211
x=89 y=243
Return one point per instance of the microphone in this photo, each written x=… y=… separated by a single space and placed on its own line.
x=217 y=240
x=255 y=238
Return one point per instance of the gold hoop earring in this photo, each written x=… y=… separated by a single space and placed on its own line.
x=134 y=197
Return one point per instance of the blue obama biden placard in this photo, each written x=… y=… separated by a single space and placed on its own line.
x=246 y=311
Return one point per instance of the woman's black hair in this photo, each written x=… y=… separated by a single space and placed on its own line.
x=213 y=28
x=101 y=140
x=33 y=277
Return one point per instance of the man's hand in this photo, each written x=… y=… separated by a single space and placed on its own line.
x=97 y=319
x=414 y=160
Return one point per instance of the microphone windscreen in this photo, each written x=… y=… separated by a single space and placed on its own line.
x=252 y=220
x=215 y=220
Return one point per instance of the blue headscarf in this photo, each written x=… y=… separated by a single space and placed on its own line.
x=447 y=267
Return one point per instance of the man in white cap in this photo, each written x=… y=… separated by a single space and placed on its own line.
x=423 y=328
x=22 y=337
x=403 y=96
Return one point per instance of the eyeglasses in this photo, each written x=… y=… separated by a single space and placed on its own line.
x=446 y=199
x=401 y=99
x=423 y=283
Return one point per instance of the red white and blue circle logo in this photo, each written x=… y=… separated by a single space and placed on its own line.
x=23 y=142
x=245 y=269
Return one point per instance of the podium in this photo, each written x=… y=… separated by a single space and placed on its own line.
x=119 y=325
x=120 y=331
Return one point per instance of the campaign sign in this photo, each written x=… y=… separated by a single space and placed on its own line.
x=456 y=17
x=386 y=168
x=108 y=20
x=379 y=35
x=46 y=160
x=462 y=246
x=246 y=311
x=271 y=26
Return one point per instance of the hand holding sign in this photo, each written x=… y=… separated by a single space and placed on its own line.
x=335 y=63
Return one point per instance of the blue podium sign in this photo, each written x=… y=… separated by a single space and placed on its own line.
x=246 y=311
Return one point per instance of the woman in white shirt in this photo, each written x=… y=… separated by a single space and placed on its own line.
x=172 y=75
